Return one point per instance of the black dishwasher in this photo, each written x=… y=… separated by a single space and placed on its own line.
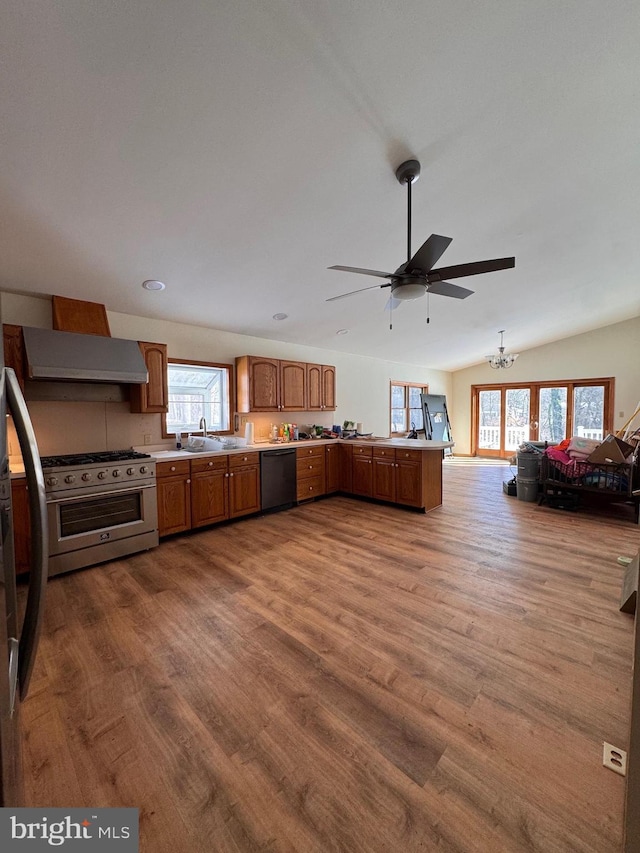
x=278 y=478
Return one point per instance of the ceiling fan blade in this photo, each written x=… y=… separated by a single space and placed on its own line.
x=392 y=304
x=445 y=288
x=475 y=268
x=362 y=289
x=429 y=253
x=363 y=271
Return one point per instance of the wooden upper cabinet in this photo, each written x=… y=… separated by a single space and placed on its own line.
x=314 y=387
x=273 y=385
x=154 y=395
x=257 y=384
x=293 y=386
x=75 y=315
x=328 y=387
x=14 y=351
x=321 y=387
x=264 y=384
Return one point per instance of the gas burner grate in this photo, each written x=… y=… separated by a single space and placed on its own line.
x=99 y=458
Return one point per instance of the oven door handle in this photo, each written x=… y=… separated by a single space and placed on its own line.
x=99 y=494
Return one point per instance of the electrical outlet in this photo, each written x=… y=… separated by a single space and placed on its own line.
x=620 y=414
x=147 y=438
x=243 y=420
x=615 y=759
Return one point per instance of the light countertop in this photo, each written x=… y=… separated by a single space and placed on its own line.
x=16 y=466
x=409 y=443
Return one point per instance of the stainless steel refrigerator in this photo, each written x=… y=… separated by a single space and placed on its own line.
x=18 y=637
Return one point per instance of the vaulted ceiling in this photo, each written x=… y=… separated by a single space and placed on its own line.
x=236 y=149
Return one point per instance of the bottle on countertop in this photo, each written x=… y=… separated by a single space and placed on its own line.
x=178 y=441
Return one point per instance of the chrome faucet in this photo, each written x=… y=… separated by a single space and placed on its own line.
x=203 y=426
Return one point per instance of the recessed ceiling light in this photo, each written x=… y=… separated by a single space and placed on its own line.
x=152 y=284
x=342 y=332
x=280 y=316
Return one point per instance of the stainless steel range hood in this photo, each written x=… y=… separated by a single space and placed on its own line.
x=71 y=357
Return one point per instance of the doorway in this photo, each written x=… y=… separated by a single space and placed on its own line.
x=505 y=415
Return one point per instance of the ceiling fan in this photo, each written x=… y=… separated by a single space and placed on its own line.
x=416 y=276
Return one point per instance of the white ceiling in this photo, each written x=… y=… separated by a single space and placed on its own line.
x=235 y=149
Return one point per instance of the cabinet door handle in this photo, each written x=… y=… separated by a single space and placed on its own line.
x=188 y=481
x=226 y=475
x=231 y=474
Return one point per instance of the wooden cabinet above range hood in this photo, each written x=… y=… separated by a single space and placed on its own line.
x=74 y=315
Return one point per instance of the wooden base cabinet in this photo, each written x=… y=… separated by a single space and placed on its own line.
x=402 y=476
x=174 y=496
x=244 y=484
x=362 y=471
x=209 y=491
x=21 y=525
x=332 y=459
x=409 y=468
x=345 y=451
x=384 y=474
x=310 y=472
x=199 y=492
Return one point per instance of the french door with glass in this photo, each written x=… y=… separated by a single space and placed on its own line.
x=506 y=415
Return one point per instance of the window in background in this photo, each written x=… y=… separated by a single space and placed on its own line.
x=198 y=390
x=517 y=416
x=503 y=416
x=489 y=420
x=588 y=411
x=406 y=408
x=552 y=414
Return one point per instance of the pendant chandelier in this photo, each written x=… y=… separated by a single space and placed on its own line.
x=502 y=360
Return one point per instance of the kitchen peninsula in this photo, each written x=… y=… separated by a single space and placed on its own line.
x=199 y=489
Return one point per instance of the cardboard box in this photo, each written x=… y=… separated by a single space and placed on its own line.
x=612 y=449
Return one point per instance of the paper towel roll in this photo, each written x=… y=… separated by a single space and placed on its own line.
x=248 y=432
x=359 y=427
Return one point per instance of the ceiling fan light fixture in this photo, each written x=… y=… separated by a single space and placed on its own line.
x=503 y=360
x=408 y=288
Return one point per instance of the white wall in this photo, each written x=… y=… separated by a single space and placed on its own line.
x=362 y=384
x=608 y=351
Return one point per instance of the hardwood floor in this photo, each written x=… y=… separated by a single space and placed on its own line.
x=346 y=676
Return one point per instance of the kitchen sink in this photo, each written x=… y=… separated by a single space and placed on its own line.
x=202 y=444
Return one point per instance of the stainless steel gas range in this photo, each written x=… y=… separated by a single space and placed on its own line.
x=100 y=506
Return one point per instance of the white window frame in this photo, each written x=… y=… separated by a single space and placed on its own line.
x=225 y=426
